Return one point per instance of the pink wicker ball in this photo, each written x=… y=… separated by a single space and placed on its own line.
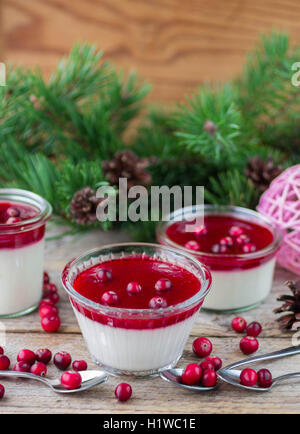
x=281 y=203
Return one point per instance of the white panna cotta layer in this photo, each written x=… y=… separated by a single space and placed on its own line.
x=135 y=350
x=236 y=289
x=21 y=277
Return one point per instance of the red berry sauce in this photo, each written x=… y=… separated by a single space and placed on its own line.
x=12 y=213
x=146 y=272
x=218 y=241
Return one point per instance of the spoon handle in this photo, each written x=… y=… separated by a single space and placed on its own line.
x=275 y=355
x=23 y=375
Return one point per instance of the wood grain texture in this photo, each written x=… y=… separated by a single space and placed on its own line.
x=174 y=44
x=152 y=395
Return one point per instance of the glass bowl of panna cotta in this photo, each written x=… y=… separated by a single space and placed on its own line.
x=23 y=216
x=238 y=245
x=136 y=304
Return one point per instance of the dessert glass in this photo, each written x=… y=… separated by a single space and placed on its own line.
x=137 y=342
x=239 y=281
x=22 y=254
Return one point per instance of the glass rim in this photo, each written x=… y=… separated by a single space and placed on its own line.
x=162 y=237
x=29 y=198
x=189 y=303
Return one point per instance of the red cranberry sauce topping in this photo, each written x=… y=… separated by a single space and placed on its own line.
x=17 y=212
x=225 y=235
x=146 y=271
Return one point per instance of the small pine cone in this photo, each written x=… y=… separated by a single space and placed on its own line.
x=291 y=306
x=83 y=206
x=126 y=164
x=261 y=172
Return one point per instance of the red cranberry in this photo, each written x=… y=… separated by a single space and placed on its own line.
x=1 y=351
x=226 y=241
x=2 y=391
x=50 y=323
x=71 y=380
x=200 y=231
x=26 y=356
x=47 y=309
x=62 y=360
x=207 y=364
x=22 y=367
x=248 y=377
x=235 y=231
x=12 y=220
x=123 y=392
x=110 y=298
x=4 y=363
x=249 y=248
x=202 y=347
x=157 y=302
x=43 y=355
x=254 y=329
x=191 y=374
x=192 y=245
x=12 y=212
x=104 y=275
x=39 y=369
x=52 y=298
x=209 y=378
x=242 y=239
x=163 y=284
x=264 y=378
x=249 y=345
x=219 y=248
x=79 y=365
x=133 y=288
x=217 y=362
x=239 y=324
x=49 y=288
x=46 y=278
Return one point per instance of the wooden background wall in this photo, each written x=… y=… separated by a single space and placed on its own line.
x=175 y=44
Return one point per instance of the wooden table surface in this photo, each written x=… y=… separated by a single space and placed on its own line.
x=149 y=395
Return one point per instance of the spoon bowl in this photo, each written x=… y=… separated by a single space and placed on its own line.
x=174 y=376
x=89 y=379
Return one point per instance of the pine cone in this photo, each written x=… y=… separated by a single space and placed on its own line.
x=83 y=206
x=291 y=304
x=126 y=164
x=262 y=172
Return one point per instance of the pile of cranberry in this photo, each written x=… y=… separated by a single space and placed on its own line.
x=35 y=363
x=50 y=320
x=236 y=241
x=205 y=373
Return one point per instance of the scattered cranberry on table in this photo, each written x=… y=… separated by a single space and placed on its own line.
x=248 y=377
x=50 y=323
x=47 y=309
x=4 y=363
x=2 y=391
x=264 y=378
x=254 y=329
x=209 y=378
x=46 y=278
x=202 y=347
x=52 y=298
x=62 y=360
x=43 y=355
x=79 y=365
x=22 y=367
x=1 y=351
x=239 y=324
x=192 y=374
x=39 y=368
x=217 y=362
x=207 y=364
x=26 y=356
x=71 y=380
x=123 y=392
x=249 y=345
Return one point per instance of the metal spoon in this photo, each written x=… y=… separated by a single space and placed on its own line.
x=89 y=379
x=232 y=376
x=174 y=376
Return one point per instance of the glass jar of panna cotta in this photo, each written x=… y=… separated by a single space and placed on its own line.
x=23 y=216
x=238 y=245
x=136 y=304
